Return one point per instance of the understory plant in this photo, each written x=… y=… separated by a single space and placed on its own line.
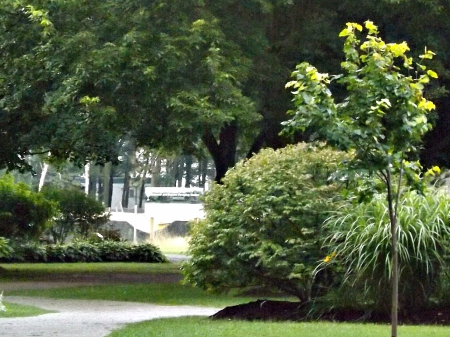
x=361 y=242
x=85 y=251
x=263 y=225
x=5 y=248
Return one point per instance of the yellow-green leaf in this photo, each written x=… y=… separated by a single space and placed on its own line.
x=371 y=27
x=432 y=73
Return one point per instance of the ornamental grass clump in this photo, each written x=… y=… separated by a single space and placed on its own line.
x=361 y=241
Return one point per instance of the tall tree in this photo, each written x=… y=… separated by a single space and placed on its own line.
x=382 y=119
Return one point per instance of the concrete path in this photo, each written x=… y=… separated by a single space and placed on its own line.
x=85 y=318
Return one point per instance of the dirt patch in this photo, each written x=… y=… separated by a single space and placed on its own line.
x=270 y=310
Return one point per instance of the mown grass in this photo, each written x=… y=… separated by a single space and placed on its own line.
x=158 y=293
x=201 y=326
x=19 y=310
x=37 y=271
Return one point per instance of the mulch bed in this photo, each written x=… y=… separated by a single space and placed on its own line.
x=270 y=310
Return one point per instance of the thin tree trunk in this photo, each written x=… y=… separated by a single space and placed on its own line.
x=43 y=174
x=188 y=170
x=394 y=253
x=106 y=184
x=86 y=178
x=156 y=172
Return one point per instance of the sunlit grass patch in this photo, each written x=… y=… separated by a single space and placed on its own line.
x=202 y=326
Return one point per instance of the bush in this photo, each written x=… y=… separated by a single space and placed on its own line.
x=263 y=226
x=146 y=252
x=5 y=248
x=361 y=241
x=85 y=251
x=24 y=215
x=78 y=213
x=29 y=252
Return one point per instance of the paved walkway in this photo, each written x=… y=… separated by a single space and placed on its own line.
x=85 y=318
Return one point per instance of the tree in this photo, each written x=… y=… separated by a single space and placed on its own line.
x=382 y=118
x=263 y=225
x=166 y=75
x=176 y=74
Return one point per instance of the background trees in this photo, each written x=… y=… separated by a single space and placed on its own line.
x=76 y=81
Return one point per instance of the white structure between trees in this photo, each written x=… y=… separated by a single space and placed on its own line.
x=157 y=213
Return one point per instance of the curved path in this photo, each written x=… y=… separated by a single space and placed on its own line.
x=86 y=318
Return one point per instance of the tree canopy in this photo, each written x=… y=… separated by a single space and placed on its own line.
x=77 y=77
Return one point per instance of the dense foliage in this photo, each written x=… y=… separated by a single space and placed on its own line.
x=75 y=80
x=24 y=214
x=78 y=214
x=263 y=226
x=85 y=251
x=5 y=248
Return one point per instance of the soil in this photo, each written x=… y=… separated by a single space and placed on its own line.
x=295 y=311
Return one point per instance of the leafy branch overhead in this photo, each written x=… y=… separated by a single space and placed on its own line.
x=384 y=114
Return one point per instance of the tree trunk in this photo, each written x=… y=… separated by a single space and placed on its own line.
x=394 y=258
x=86 y=178
x=126 y=189
x=129 y=165
x=179 y=170
x=43 y=174
x=223 y=151
x=107 y=169
x=188 y=170
x=156 y=172
x=202 y=172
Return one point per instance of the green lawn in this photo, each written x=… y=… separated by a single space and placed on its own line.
x=38 y=271
x=177 y=294
x=201 y=326
x=169 y=294
x=18 y=310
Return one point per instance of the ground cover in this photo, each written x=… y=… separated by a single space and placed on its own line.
x=201 y=326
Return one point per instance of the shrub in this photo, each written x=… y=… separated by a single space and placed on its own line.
x=146 y=252
x=84 y=251
x=263 y=226
x=114 y=250
x=24 y=215
x=29 y=252
x=78 y=213
x=361 y=240
x=5 y=248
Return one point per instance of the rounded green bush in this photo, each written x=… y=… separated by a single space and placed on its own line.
x=263 y=226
